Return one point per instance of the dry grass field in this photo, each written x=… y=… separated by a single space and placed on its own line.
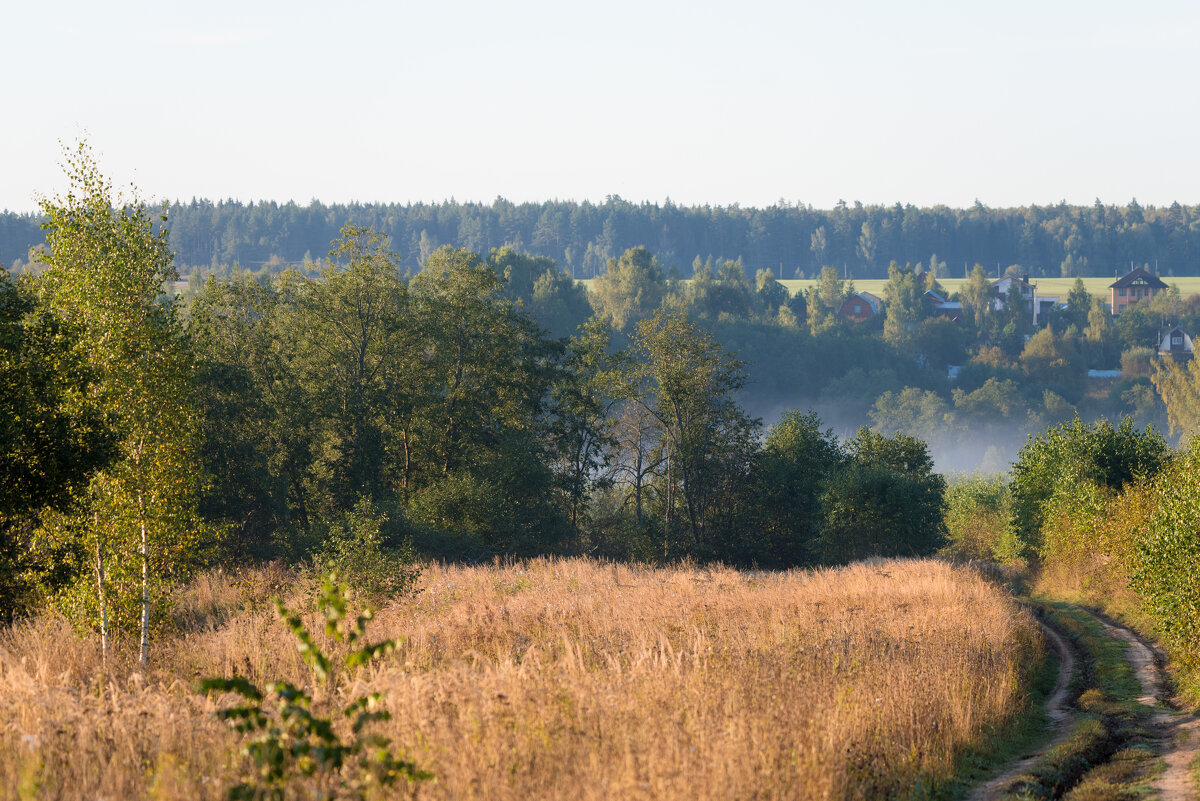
x=562 y=679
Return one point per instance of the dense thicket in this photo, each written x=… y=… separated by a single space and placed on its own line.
x=790 y=239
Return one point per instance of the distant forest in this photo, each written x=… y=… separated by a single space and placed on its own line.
x=792 y=240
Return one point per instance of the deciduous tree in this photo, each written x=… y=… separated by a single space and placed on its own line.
x=107 y=263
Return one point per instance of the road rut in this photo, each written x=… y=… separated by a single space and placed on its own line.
x=1060 y=713
x=1179 y=733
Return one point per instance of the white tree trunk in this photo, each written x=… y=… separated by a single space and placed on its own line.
x=101 y=589
x=145 y=584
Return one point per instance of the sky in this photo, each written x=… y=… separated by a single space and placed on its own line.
x=717 y=103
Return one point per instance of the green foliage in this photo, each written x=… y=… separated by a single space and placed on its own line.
x=1079 y=305
x=906 y=307
x=1097 y=239
x=914 y=411
x=51 y=439
x=832 y=289
x=586 y=397
x=978 y=521
x=1052 y=361
x=886 y=501
x=724 y=296
x=256 y=427
x=1179 y=387
x=977 y=299
x=320 y=391
x=105 y=269
x=293 y=744
x=688 y=382
x=1137 y=362
x=771 y=294
x=548 y=295
x=630 y=290
x=1165 y=567
x=797 y=459
x=941 y=341
x=1071 y=453
x=355 y=548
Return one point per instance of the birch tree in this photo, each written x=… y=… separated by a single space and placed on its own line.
x=107 y=264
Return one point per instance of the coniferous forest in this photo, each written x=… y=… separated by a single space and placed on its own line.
x=793 y=240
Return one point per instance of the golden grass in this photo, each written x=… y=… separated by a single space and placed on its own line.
x=564 y=679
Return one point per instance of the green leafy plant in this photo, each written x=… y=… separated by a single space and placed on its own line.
x=297 y=750
x=355 y=548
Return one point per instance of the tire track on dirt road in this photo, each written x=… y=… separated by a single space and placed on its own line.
x=1179 y=732
x=1060 y=713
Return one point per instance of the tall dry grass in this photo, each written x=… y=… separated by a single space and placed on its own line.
x=563 y=679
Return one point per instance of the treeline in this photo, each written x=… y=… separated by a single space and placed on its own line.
x=792 y=240
x=1110 y=515
x=351 y=413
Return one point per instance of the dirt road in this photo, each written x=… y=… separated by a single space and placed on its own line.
x=1178 y=732
x=1057 y=709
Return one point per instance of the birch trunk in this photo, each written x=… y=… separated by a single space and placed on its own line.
x=103 y=593
x=145 y=584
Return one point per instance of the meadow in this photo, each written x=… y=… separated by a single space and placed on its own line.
x=560 y=678
x=1046 y=287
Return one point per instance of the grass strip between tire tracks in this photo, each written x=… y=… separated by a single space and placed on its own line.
x=1109 y=754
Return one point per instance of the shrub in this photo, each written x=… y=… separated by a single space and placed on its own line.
x=1135 y=362
x=793 y=466
x=886 y=501
x=1165 y=564
x=978 y=521
x=1071 y=453
x=355 y=548
x=297 y=752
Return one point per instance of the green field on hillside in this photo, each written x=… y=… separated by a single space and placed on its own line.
x=1046 y=287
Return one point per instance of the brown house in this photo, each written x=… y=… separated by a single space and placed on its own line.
x=860 y=307
x=1135 y=286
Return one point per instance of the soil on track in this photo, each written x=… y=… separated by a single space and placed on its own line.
x=1179 y=733
x=1060 y=713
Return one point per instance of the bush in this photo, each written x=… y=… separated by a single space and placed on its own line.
x=886 y=501
x=795 y=462
x=978 y=521
x=1135 y=362
x=1165 y=564
x=1073 y=453
x=295 y=747
x=356 y=548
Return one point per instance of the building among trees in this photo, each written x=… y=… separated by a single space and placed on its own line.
x=1134 y=286
x=1177 y=345
x=860 y=307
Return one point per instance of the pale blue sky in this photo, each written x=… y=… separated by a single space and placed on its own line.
x=747 y=102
